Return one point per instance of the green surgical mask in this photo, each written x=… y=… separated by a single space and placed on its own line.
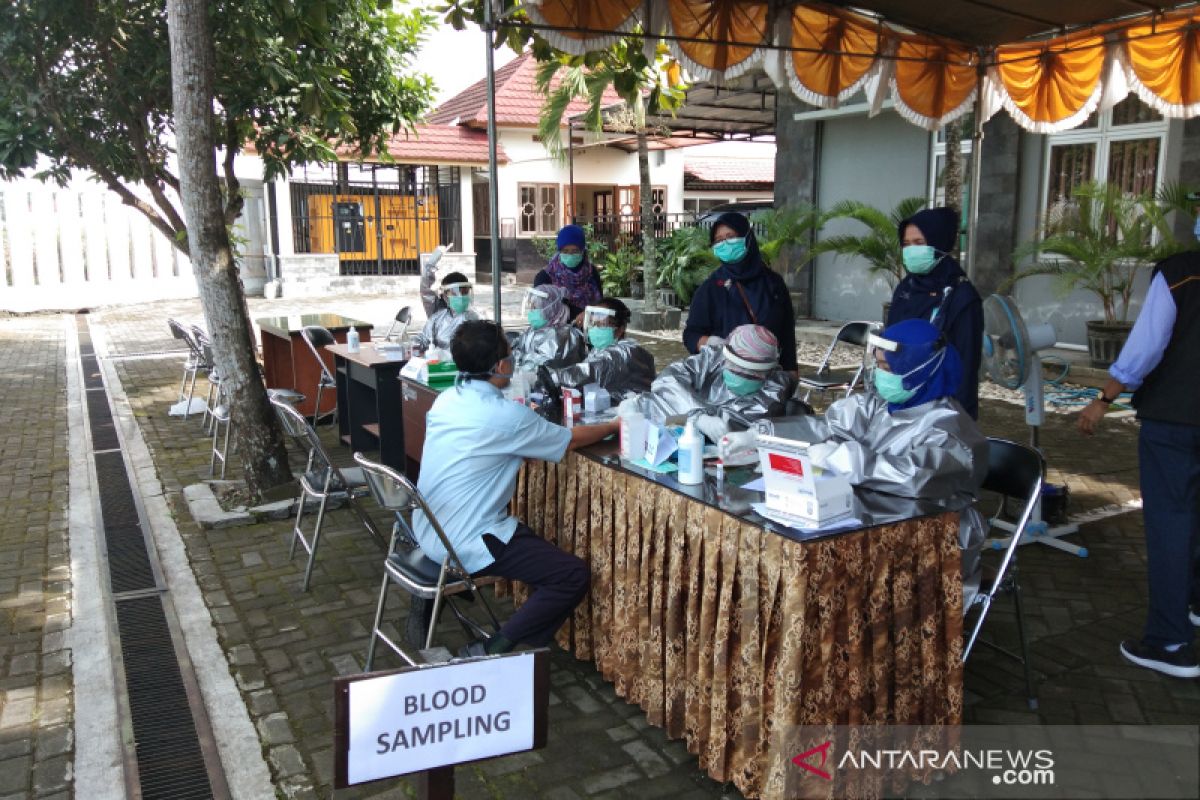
x=459 y=303
x=571 y=260
x=536 y=318
x=601 y=338
x=919 y=259
x=739 y=385
x=730 y=251
x=891 y=387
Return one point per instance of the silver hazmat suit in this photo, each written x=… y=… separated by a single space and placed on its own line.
x=552 y=346
x=933 y=451
x=442 y=323
x=696 y=382
x=623 y=368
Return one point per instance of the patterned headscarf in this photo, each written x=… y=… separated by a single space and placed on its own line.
x=578 y=285
x=554 y=310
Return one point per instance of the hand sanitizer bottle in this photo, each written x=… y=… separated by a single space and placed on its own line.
x=352 y=340
x=691 y=454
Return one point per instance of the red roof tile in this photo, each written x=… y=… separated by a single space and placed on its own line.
x=729 y=170
x=518 y=102
x=443 y=144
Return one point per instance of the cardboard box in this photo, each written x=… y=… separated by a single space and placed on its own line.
x=792 y=485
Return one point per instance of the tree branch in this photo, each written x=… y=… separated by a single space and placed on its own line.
x=149 y=211
x=233 y=195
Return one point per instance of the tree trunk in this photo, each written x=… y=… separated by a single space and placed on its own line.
x=258 y=437
x=649 y=271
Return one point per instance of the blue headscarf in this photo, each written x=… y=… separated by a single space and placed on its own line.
x=919 y=341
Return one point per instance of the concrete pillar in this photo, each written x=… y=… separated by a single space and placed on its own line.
x=998 y=202
x=283 y=217
x=797 y=160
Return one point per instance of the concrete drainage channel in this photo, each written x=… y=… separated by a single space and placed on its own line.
x=170 y=751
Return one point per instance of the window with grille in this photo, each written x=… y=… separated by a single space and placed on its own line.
x=538 y=208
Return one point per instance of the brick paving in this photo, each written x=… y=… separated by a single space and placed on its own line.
x=284 y=646
x=36 y=704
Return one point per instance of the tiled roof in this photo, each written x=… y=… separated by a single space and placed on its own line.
x=443 y=144
x=729 y=170
x=518 y=102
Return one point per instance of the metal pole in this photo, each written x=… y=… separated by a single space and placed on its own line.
x=976 y=169
x=571 y=164
x=493 y=177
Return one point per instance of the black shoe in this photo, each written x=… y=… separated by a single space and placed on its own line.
x=475 y=649
x=1194 y=615
x=1180 y=664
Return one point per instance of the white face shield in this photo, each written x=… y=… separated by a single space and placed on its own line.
x=599 y=317
x=535 y=299
x=456 y=289
x=756 y=370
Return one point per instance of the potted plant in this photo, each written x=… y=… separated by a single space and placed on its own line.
x=879 y=246
x=685 y=259
x=1099 y=241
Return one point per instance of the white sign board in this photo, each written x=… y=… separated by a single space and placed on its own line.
x=429 y=717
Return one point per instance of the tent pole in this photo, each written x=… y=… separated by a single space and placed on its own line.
x=571 y=164
x=489 y=28
x=976 y=170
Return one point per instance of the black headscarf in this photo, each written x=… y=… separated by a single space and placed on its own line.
x=916 y=296
x=751 y=265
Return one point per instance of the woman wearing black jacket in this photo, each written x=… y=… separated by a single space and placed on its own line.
x=742 y=291
x=936 y=289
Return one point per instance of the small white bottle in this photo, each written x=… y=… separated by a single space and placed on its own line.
x=691 y=454
x=633 y=436
x=352 y=340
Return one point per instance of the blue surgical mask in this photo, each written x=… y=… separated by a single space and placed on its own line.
x=601 y=338
x=919 y=259
x=740 y=385
x=570 y=260
x=459 y=303
x=730 y=251
x=536 y=318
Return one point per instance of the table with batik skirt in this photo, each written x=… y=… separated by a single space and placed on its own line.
x=730 y=635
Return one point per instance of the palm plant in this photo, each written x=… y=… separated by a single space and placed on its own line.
x=686 y=259
x=792 y=225
x=880 y=245
x=1101 y=239
x=646 y=84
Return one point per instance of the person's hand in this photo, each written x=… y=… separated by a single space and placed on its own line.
x=820 y=452
x=712 y=426
x=1089 y=418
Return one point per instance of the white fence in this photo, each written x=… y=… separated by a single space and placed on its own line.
x=79 y=246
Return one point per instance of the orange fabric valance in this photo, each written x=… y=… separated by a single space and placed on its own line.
x=934 y=82
x=708 y=27
x=577 y=23
x=1164 y=64
x=834 y=54
x=1054 y=86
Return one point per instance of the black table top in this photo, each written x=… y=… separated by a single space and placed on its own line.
x=294 y=323
x=871 y=508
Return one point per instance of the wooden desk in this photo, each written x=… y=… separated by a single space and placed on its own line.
x=368 y=402
x=289 y=364
x=416 y=398
x=731 y=636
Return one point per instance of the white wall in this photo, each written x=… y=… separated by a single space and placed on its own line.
x=878 y=161
x=594 y=164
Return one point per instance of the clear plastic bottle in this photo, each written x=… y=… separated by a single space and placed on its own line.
x=352 y=340
x=691 y=454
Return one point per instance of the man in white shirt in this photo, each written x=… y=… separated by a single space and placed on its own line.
x=475 y=442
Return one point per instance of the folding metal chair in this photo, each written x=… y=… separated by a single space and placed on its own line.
x=317 y=337
x=190 y=364
x=410 y=569
x=320 y=481
x=825 y=378
x=1017 y=471
x=403 y=318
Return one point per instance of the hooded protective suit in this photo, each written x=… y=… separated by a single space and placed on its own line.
x=624 y=368
x=696 y=382
x=442 y=323
x=552 y=346
x=926 y=447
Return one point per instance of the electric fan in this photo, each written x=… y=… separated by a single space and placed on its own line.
x=1010 y=355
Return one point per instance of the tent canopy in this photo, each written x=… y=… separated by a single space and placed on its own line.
x=1049 y=64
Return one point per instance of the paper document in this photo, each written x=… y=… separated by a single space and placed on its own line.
x=756 y=485
x=797 y=525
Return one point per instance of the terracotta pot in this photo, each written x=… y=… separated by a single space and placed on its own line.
x=1105 y=340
